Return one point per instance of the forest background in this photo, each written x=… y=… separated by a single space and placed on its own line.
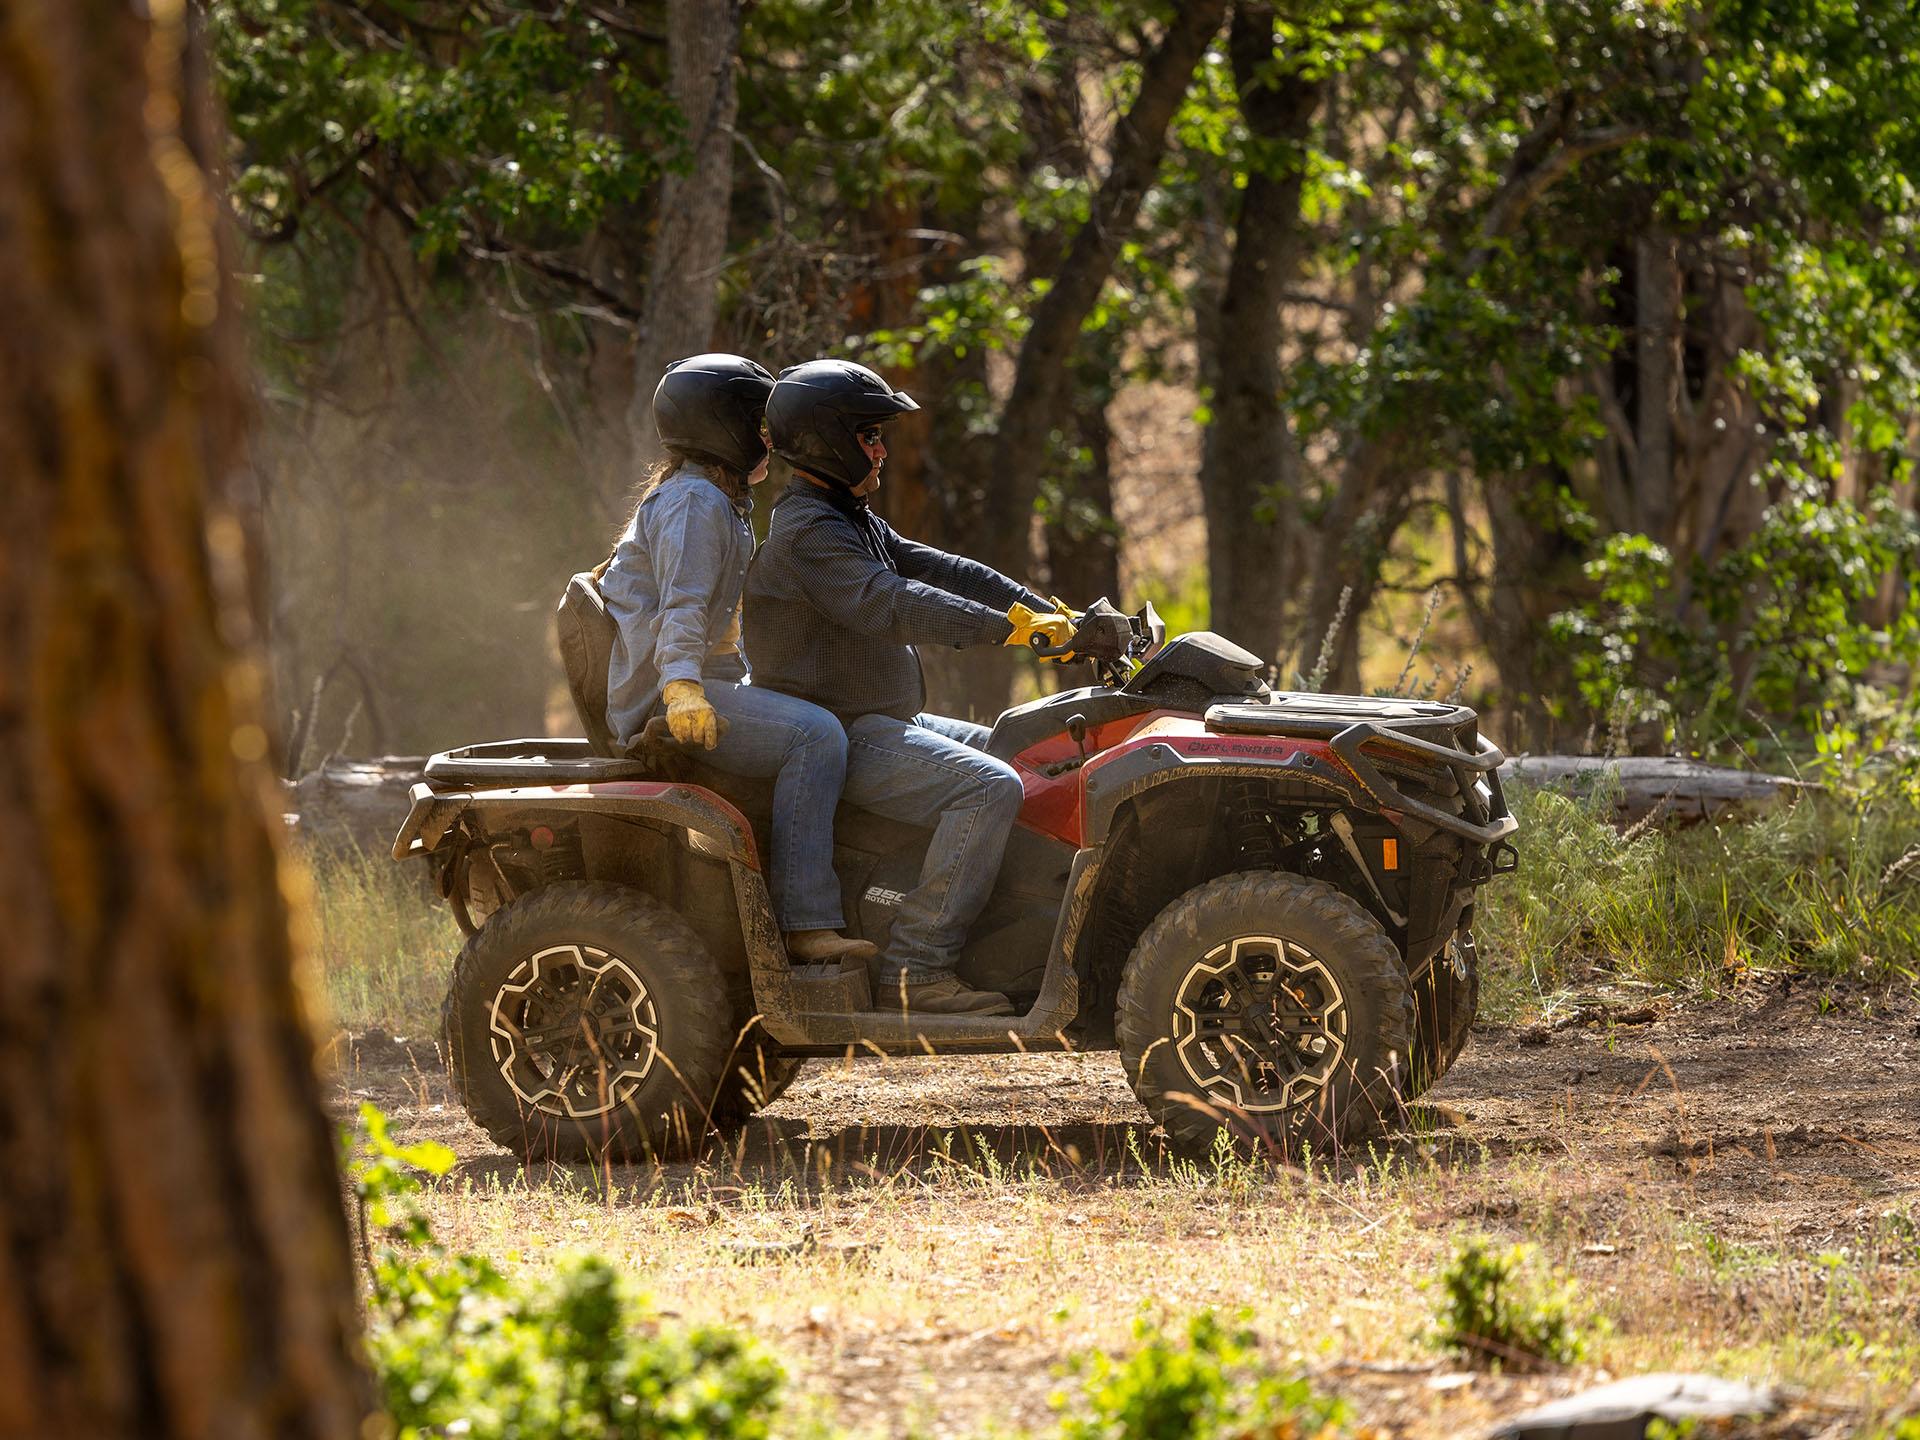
x=1594 y=319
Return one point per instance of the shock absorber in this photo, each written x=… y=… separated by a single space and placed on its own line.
x=1252 y=828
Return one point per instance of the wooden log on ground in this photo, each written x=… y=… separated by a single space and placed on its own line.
x=358 y=803
x=1684 y=792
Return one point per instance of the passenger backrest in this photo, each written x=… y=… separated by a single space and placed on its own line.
x=585 y=632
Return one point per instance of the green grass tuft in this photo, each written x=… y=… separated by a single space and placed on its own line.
x=1813 y=887
x=383 y=945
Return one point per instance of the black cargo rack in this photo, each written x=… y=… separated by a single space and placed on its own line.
x=537 y=761
x=1410 y=725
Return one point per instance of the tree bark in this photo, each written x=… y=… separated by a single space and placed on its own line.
x=1035 y=404
x=690 y=243
x=174 y=1260
x=1657 y=295
x=1249 y=468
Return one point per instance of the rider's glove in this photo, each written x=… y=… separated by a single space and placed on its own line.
x=1065 y=609
x=690 y=717
x=1029 y=625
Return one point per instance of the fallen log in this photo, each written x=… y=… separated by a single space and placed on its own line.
x=355 y=804
x=1682 y=792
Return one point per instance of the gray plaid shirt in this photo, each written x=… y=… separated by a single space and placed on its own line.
x=836 y=600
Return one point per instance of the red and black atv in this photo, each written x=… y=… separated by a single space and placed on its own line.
x=1264 y=900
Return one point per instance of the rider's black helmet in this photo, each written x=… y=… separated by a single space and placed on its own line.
x=815 y=410
x=712 y=405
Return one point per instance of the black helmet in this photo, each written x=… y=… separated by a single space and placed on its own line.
x=815 y=409
x=711 y=405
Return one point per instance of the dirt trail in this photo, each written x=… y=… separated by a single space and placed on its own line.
x=1785 y=1122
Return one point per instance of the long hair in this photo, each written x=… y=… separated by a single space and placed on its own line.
x=730 y=482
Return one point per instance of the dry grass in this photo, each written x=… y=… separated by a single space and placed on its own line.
x=961 y=1262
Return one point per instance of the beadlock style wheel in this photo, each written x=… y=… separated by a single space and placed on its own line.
x=1262 y=1022
x=574 y=1031
x=1270 y=1009
x=586 y=1021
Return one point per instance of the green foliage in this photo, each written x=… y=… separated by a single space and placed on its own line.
x=1788 y=628
x=1201 y=1384
x=1493 y=1311
x=509 y=120
x=1817 y=887
x=461 y=1350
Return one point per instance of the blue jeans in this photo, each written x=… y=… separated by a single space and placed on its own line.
x=934 y=771
x=805 y=750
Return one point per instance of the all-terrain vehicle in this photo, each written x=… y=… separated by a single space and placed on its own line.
x=1264 y=900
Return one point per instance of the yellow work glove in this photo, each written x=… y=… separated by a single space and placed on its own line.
x=1065 y=609
x=1054 y=629
x=691 y=719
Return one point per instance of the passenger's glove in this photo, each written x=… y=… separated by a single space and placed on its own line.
x=690 y=717
x=1028 y=626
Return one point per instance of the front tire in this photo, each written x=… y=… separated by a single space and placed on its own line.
x=1269 y=1008
x=587 y=1022
x=1444 y=1004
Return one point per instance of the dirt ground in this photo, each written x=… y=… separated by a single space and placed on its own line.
x=1732 y=1185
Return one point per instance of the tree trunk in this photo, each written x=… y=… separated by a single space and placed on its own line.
x=1083 y=542
x=1249 y=468
x=1657 y=295
x=1040 y=381
x=1355 y=536
x=174 y=1260
x=690 y=242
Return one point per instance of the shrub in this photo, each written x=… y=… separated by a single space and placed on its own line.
x=1195 y=1386
x=459 y=1350
x=1493 y=1313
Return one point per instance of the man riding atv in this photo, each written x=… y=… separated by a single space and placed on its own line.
x=1263 y=900
x=836 y=600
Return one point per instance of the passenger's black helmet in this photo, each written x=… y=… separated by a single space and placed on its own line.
x=712 y=405
x=815 y=409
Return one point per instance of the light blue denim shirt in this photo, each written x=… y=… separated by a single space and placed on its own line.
x=673 y=589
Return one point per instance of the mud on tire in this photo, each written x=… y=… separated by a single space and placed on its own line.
x=757 y=1074
x=587 y=1021
x=1279 y=1005
x=1443 y=1009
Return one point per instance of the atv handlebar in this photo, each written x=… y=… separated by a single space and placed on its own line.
x=1117 y=643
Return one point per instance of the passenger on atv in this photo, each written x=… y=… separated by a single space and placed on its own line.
x=836 y=601
x=672 y=588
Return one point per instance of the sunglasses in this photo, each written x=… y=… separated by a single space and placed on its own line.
x=868 y=435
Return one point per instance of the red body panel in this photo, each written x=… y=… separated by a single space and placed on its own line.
x=1056 y=805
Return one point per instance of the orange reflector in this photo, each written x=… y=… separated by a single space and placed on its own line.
x=1390 y=854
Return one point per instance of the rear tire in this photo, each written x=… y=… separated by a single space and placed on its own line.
x=1444 y=1005
x=1269 y=1008
x=587 y=1022
x=757 y=1075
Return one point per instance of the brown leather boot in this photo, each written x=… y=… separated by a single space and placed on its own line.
x=944 y=995
x=824 y=947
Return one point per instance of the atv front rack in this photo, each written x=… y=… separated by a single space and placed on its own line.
x=1403 y=725
x=1483 y=764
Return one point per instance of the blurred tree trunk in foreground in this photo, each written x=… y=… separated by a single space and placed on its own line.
x=174 y=1259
